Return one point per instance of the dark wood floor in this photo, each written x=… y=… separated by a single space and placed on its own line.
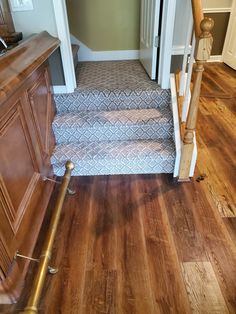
x=146 y=244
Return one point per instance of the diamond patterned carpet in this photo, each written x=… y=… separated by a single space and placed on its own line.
x=112 y=85
x=117 y=121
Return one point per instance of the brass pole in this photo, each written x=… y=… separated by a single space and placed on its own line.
x=32 y=305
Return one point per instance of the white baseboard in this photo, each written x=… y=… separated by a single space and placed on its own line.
x=86 y=54
x=216 y=58
x=59 y=89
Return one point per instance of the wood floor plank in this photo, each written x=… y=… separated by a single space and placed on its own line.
x=203 y=289
x=116 y=247
x=102 y=236
x=231 y=226
x=100 y=283
x=164 y=267
x=100 y=295
x=188 y=239
x=218 y=81
x=219 y=246
x=134 y=280
x=64 y=290
x=217 y=185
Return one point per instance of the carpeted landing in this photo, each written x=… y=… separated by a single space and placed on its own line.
x=117 y=121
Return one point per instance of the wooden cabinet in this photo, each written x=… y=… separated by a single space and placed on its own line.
x=26 y=144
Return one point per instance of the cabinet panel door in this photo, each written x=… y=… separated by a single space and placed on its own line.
x=19 y=173
x=41 y=109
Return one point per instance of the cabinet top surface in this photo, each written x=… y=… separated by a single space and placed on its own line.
x=17 y=64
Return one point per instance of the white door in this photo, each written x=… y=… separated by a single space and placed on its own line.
x=150 y=12
x=229 y=52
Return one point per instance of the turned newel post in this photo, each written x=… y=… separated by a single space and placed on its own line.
x=202 y=54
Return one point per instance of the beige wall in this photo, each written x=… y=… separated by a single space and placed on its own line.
x=105 y=24
x=37 y=20
x=216 y=4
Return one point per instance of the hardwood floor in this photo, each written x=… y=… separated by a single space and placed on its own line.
x=145 y=244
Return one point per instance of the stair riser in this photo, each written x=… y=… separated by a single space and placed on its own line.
x=103 y=167
x=112 y=133
x=100 y=102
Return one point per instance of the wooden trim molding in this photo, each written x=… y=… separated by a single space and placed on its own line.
x=217 y=10
x=17 y=64
x=26 y=143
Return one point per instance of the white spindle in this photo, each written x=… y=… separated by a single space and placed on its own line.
x=187 y=50
x=187 y=95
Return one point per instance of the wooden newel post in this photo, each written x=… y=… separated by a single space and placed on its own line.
x=202 y=54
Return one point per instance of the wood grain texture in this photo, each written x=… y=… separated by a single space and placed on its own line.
x=17 y=64
x=123 y=240
x=219 y=81
x=184 y=221
x=203 y=289
x=217 y=138
x=164 y=268
x=231 y=226
x=118 y=251
x=24 y=195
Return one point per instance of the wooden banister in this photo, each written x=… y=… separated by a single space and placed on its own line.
x=202 y=54
x=197 y=16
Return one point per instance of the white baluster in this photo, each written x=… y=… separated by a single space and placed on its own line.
x=187 y=95
x=187 y=50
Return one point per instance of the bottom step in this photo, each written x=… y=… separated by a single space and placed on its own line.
x=120 y=157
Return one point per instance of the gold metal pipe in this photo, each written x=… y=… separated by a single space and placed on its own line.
x=32 y=305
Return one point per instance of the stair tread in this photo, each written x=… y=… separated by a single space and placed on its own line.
x=112 y=85
x=115 y=150
x=96 y=119
x=114 y=76
x=121 y=157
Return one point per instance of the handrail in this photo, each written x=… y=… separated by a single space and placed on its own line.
x=197 y=16
x=203 y=27
x=32 y=305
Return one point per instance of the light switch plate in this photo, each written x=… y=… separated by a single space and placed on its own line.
x=21 y=5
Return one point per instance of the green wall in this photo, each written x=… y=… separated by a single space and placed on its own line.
x=105 y=24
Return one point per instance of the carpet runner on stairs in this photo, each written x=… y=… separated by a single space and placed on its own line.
x=116 y=122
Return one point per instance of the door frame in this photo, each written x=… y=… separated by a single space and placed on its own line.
x=167 y=31
x=60 y=12
x=148 y=49
x=166 y=44
x=229 y=30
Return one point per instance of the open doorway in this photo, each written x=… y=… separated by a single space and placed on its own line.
x=63 y=11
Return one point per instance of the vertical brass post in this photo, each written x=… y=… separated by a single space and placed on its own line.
x=32 y=305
